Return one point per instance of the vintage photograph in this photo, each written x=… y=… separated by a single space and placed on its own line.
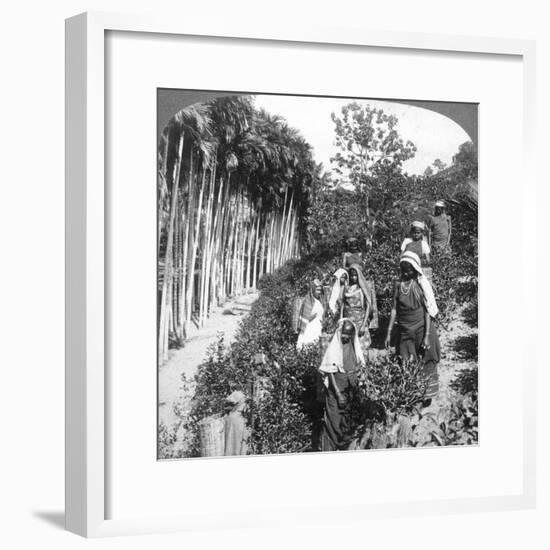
x=317 y=273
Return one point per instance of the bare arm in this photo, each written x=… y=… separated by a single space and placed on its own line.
x=365 y=322
x=393 y=316
x=450 y=228
x=427 y=328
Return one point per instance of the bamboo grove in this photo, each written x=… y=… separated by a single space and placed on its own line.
x=234 y=185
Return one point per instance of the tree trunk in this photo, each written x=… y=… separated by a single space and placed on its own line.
x=189 y=301
x=166 y=286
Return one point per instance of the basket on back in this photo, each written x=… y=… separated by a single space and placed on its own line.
x=212 y=435
x=296 y=308
x=324 y=341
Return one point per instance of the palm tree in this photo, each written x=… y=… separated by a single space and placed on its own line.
x=192 y=123
x=234 y=189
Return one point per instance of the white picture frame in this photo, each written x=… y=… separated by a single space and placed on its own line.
x=85 y=254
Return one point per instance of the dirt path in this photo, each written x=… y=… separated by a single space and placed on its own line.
x=173 y=393
x=456 y=341
x=452 y=360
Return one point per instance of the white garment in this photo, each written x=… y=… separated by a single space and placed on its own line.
x=429 y=297
x=336 y=289
x=425 y=245
x=313 y=329
x=333 y=359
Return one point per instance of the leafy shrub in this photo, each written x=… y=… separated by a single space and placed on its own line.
x=461 y=425
x=398 y=386
x=466 y=382
x=467 y=348
x=165 y=441
x=287 y=415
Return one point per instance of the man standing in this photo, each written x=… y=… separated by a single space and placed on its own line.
x=439 y=227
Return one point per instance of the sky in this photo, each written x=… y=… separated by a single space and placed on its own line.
x=435 y=135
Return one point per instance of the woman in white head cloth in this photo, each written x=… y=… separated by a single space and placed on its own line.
x=414 y=308
x=340 y=283
x=236 y=430
x=339 y=367
x=311 y=316
x=415 y=243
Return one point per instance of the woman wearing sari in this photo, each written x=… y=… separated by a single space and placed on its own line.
x=311 y=316
x=339 y=367
x=414 y=308
x=415 y=243
x=359 y=305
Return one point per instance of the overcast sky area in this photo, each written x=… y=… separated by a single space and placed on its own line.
x=435 y=135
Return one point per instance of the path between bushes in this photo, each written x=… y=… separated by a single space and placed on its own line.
x=452 y=360
x=172 y=392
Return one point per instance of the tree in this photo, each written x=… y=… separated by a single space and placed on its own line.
x=369 y=144
x=234 y=189
x=439 y=165
x=466 y=160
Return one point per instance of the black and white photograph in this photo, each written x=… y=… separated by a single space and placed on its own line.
x=317 y=274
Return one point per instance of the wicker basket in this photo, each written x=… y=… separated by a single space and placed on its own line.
x=296 y=308
x=212 y=436
x=324 y=341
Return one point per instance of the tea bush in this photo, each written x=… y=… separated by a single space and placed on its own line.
x=285 y=416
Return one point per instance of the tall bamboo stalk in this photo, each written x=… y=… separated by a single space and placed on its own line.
x=166 y=286
x=194 y=241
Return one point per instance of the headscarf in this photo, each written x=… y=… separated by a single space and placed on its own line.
x=440 y=203
x=368 y=292
x=336 y=289
x=237 y=400
x=408 y=240
x=333 y=359
x=429 y=297
x=309 y=302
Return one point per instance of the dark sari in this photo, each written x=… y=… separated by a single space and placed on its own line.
x=337 y=429
x=411 y=320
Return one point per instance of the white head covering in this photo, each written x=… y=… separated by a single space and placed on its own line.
x=418 y=224
x=336 y=289
x=429 y=297
x=413 y=259
x=333 y=360
x=440 y=203
x=237 y=400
